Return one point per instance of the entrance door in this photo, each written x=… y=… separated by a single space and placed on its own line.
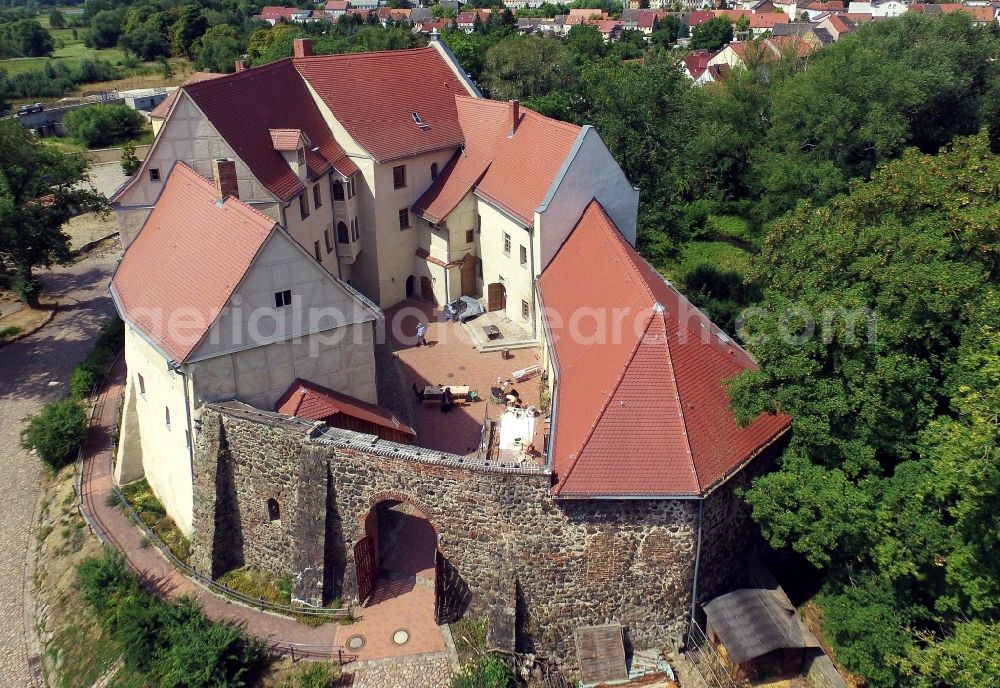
x=427 y=289
x=496 y=296
x=468 y=270
x=411 y=287
x=366 y=561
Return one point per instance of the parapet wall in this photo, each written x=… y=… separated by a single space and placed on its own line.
x=507 y=543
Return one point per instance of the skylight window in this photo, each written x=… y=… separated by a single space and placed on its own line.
x=416 y=118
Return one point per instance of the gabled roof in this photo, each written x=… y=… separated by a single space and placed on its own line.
x=305 y=399
x=278 y=12
x=286 y=139
x=374 y=96
x=512 y=172
x=696 y=62
x=753 y=622
x=244 y=107
x=188 y=259
x=163 y=109
x=641 y=408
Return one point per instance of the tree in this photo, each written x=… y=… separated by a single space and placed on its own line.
x=443 y=12
x=190 y=25
x=105 y=28
x=712 y=35
x=526 y=67
x=39 y=190
x=586 y=41
x=57 y=19
x=878 y=335
x=56 y=432
x=743 y=27
x=130 y=163
x=25 y=38
x=218 y=49
x=103 y=125
x=667 y=31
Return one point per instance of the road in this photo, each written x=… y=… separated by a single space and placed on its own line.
x=33 y=371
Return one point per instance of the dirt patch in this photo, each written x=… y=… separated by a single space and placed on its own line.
x=84 y=230
x=76 y=651
x=17 y=320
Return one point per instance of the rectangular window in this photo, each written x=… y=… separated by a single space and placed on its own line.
x=525 y=309
x=353 y=188
x=142 y=384
x=506 y=244
x=304 y=204
x=187 y=438
x=524 y=257
x=399 y=176
x=355 y=229
x=317 y=200
x=470 y=236
x=154 y=174
x=404 y=218
x=301 y=156
x=479 y=224
x=166 y=414
x=328 y=237
x=282 y=298
x=319 y=256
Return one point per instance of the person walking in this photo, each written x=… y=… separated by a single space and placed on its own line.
x=421 y=334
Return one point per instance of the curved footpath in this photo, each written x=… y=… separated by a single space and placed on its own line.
x=113 y=526
x=427 y=661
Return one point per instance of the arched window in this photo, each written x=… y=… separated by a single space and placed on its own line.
x=273 y=510
x=338 y=190
x=434 y=170
x=342 y=235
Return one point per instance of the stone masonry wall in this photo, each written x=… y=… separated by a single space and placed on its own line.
x=572 y=563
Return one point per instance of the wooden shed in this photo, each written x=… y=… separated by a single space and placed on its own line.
x=758 y=631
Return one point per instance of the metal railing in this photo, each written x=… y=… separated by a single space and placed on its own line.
x=84 y=505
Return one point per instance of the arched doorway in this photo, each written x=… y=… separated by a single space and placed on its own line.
x=496 y=297
x=398 y=553
x=410 y=286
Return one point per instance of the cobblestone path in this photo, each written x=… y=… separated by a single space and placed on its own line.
x=33 y=371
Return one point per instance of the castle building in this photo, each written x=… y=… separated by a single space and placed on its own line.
x=286 y=216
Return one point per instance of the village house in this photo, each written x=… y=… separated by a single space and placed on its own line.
x=278 y=254
x=335 y=9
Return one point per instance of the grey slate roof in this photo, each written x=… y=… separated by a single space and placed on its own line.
x=753 y=622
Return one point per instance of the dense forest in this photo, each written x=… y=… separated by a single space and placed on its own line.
x=855 y=196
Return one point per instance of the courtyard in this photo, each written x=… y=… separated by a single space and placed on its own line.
x=451 y=359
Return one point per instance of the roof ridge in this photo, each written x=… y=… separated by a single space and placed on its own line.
x=348 y=55
x=604 y=407
x=677 y=395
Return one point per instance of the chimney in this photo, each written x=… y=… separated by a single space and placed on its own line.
x=224 y=174
x=241 y=65
x=514 y=110
x=302 y=47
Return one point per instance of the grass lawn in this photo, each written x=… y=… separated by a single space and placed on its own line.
x=71 y=55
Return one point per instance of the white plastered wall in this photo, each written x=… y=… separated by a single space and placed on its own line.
x=517 y=278
x=166 y=458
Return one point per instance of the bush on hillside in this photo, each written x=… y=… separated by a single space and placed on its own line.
x=85 y=375
x=489 y=672
x=170 y=644
x=56 y=432
x=103 y=125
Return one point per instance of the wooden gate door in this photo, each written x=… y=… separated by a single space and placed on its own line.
x=496 y=297
x=439 y=587
x=367 y=564
x=468 y=270
x=427 y=289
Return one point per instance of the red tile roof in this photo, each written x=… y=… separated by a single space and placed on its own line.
x=286 y=139
x=305 y=399
x=245 y=107
x=163 y=109
x=337 y=5
x=191 y=254
x=374 y=96
x=278 y=12
x=758 y=20
x=641 y=408
x=512 y=172
x=700 y=17
x=696 y=62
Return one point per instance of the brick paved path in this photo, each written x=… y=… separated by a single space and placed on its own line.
x=33 y=371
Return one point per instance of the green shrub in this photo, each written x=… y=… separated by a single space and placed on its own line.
x=103 y=125
x=9 y=332
x=314 y=675
x=82 y=381
x=56 y=432
x=170 y=644
x=130 y=162
x=490 y=672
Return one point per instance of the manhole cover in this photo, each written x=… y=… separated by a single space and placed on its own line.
x=356 y=642
x=401 y=637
